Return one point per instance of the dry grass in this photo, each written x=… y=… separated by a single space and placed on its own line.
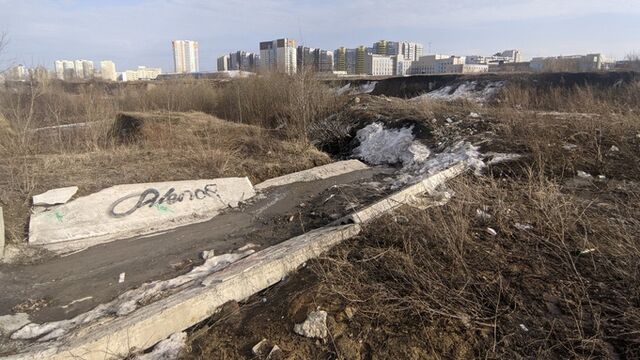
x=166 y=146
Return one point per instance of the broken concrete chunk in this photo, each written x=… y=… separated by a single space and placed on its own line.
x=316 y=173
x=55 y=196
x=314 y=327
x=11 y=323
x=258 y=348
x=275 y=352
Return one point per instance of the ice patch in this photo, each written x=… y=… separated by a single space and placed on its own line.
x=167 y=349
x=130 y=300
x=468 y=90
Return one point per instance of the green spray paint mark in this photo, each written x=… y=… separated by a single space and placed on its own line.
x=58 y=215
x=163 y=208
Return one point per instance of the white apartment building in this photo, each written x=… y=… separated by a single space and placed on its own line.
x=185 y=56
x=401 y=65
x=380 y=65
x=108 y=70
x=87 y=69
x=466 y=69
x=279 y=55
x=434 y=64
x=141 y=73
x=589 y=62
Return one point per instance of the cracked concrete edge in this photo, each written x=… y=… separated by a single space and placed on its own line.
x=316 y=173
x=115 y=337
x=404 y=196
x=2 y=237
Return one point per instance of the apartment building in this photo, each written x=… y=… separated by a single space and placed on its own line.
x=589 y=62
x=279 y=55
x=108 y=70
x=434 y=64
x=185 y=56
x=141 y=73
x=466 y=68
x=378 y=65
x=223 y=63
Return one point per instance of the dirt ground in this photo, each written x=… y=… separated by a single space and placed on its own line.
x=536 y=258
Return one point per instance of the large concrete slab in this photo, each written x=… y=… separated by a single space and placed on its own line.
x=133 y=209
x=405 y=196
x=2 y=239
x=316 y=173
x=117 y=337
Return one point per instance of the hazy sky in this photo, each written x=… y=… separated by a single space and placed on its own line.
x=139 y=32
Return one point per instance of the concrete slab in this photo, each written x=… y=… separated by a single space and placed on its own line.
x=55 y=196
x=117 y=337
x=133 y=209
x=2 y=239
x=405 y=196
x=316 y=173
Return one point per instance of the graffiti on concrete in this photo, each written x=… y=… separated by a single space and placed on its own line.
x=151 y=198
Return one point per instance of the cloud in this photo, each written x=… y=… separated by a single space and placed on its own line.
x=139 y=32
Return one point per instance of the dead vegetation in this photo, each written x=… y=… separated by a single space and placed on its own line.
x=95 y=134
x=557 y=280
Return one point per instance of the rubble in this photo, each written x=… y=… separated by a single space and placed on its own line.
x=315 y=326
x=55 y=196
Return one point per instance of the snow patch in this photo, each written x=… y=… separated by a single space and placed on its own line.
x=130 y=300
x=468 y=90
x=349 y=89
x=380 y=145
x=167 y=349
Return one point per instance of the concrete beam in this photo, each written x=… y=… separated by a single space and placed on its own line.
x=405 y=196
x=117 y=337
x=316 y=173
x=2 y=237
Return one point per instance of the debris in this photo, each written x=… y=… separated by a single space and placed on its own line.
x=524 y=328
x=77 y=301
x=569 y=147
x=55 y=196
x=614 y=148
x=166 y=349
x=247 y=247
x=11 y=323
x=121 y=278
x=257 y=349
x=274 y=352
x=400 y=219
x=291 y=218
x=497 y=158
x=474 y=115
x=491 y=231
x=315 y=326
x=482 y=214
x=449 y=121
x=350 y=312
x=207 y=254
x=584 y=175
x=523 y=227
x=586 y=251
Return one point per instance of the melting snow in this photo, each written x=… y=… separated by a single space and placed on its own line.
x=167 y=349
x=468 y=90
x=365 y=88
x=130 y=300
x=379 y=145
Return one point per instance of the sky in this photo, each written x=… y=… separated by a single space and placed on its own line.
x=139 y=32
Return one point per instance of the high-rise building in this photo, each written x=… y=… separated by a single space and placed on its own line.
x=223 y=63
x=185 y=56
x=375 y=64
x=340 y=59
x=108 y=70
x=361 y=53
x=58 y=67
x=87 y=69
x=279 y=55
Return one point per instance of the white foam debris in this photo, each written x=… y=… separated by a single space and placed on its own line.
x=497 y=158
x=584 y=174
x=468 y=90
x=130 y=300
x=167 y=349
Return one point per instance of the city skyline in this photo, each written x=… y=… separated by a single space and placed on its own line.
x=39 y=31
